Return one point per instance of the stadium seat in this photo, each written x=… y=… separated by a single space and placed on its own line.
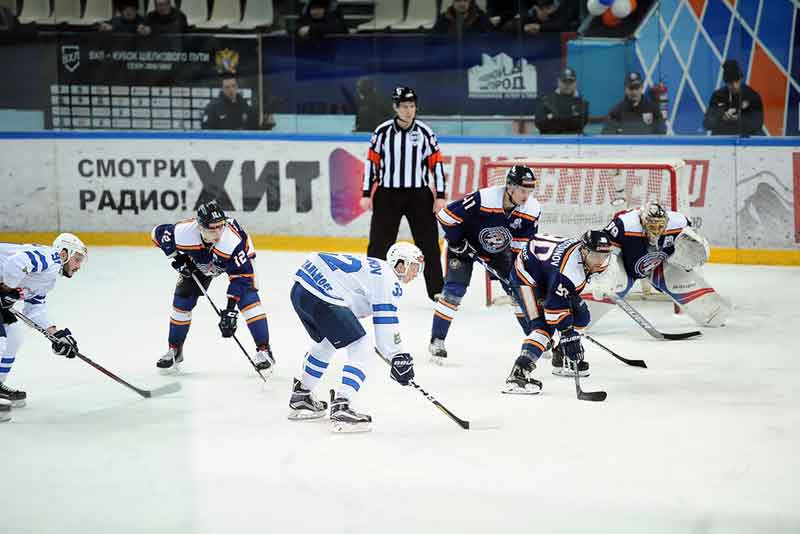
x=67 y=11
x=223 y=13
x=388 y=13
x=256 y=13
x=97 y=10
x=421 y=15
x=38 y=11
x=447 y=3
x=196 y=12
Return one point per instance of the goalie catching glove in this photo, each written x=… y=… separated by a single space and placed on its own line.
x=691 y=250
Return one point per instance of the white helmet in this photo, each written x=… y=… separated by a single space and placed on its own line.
x=409 y=254
x=72 y=244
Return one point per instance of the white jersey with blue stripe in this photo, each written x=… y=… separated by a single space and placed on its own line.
x=35 y=269
x=368 y=286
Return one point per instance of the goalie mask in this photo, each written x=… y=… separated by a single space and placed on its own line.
x=654 y=221
x=406 y=259
x=212 y=221
x=76 y=253
x=596 y=251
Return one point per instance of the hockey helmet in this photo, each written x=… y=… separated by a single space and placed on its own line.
x=654 y=220
x=410 y=255
x=75 y=249
x=596 y=251
x=403 y=94
x=521 y=176
x=207 y=214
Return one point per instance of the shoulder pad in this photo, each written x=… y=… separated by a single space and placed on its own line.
x=491 y=198
x=187 y=235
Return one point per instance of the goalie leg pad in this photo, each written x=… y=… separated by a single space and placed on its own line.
x=695 y=296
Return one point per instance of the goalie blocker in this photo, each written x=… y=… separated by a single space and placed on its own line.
x=661 y=246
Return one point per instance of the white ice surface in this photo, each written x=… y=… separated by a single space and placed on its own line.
x=705 y=440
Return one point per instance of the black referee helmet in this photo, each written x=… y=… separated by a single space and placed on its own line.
x=403 y=94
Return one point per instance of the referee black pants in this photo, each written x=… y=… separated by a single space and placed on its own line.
x=388 y=207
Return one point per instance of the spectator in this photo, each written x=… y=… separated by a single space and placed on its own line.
x=635 y=115
x=229 y=111
x=551 y=16
x=128 y=21
x=320 y=18
x=8 y=21
x=735 y=109
x=505 y=15
x=166 y=19
x=463 y=16
x=563 y=111
x=372 y=108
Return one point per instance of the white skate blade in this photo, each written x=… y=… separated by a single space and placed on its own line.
x=568 y=373
x=303 y=415
x=5 y=413
x=438 y=360
x=170 y=371
x=513 y=389
x=18 y=403
x=340 y=427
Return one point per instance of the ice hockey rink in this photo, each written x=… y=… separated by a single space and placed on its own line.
x=703 y=441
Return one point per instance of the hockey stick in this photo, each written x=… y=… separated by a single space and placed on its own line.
x=219 y=314
x=594 y=396
x=633 y=363
x=172 y=387
x=647 y=325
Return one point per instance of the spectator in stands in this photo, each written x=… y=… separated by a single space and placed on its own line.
x=372 y=107
x=563 y=111
x=166 y=19
x=320 y=18
x=229 y=111
x=463 y=16
x=128 y=21
x=551 y=16
x=735 y=109
x=506 y=15
x=634 y=115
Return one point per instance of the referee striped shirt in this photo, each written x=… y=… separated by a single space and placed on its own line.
x=404 y=159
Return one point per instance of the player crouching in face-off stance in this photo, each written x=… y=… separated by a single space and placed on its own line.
x=495 y=223
x=548 y=277
x=660 y=245
x=206 y=247
x=331 y=292
x=28 y=273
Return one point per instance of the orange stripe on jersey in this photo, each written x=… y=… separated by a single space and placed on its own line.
x=441 y=316
x=257 y=318
x=543 y=332
x=231 y=277
x=218 y=252
x=580 y=287
x=156 y=243
x=525 y=216
x=492 y=210
x=634 y=234
x=374 y=157
x=180 y=310
x=447 y=304
x=251 y=306
x=673 y=231
x=435 y=158
x=453 y=215
x=189 y=247
x=180 y=323
x=523 y=277
x=536 y=343
x=567 y=255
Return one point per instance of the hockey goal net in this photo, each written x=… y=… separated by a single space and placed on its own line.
x=581 y=194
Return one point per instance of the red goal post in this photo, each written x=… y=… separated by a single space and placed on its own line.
x=578 y=194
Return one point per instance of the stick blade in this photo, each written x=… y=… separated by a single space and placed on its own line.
x=592 y=396
x=172 y=387
x=684 y=335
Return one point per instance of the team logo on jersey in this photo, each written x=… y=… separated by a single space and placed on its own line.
x=515 y=224
x=415 y=138
x=396 y=338
x=71 y=57
x=495 y=239
x=648 y=262
x=669 y=241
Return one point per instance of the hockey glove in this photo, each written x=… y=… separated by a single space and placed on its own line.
x=402 y=368
x=227 y=322
x=459 y=248
x=65 y=345
x=184 y=265
x=571 y=345
x=9 y=296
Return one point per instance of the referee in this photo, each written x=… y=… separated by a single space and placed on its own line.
x=403 y=158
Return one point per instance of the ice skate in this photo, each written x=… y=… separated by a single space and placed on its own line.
x=344 y=419
x=170 y=362
x=520 y=382
x=303 y=404
x=15 y=397
x=438 y=352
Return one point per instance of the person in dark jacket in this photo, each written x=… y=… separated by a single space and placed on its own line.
x=505 y=15
x=551 y=16
x=735 y=109
x=229 y=111
x=563 y=111
x=635 y=115
x=320 y=18
x=166 y=19
x=128 y=21
x=463 y=16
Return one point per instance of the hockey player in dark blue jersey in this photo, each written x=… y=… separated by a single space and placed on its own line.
x=661 y=246
x=548 y=277
x=208 y=246
x=495 y=223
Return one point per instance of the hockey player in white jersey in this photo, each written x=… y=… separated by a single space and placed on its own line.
x=27 y=274
x=331 y=292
